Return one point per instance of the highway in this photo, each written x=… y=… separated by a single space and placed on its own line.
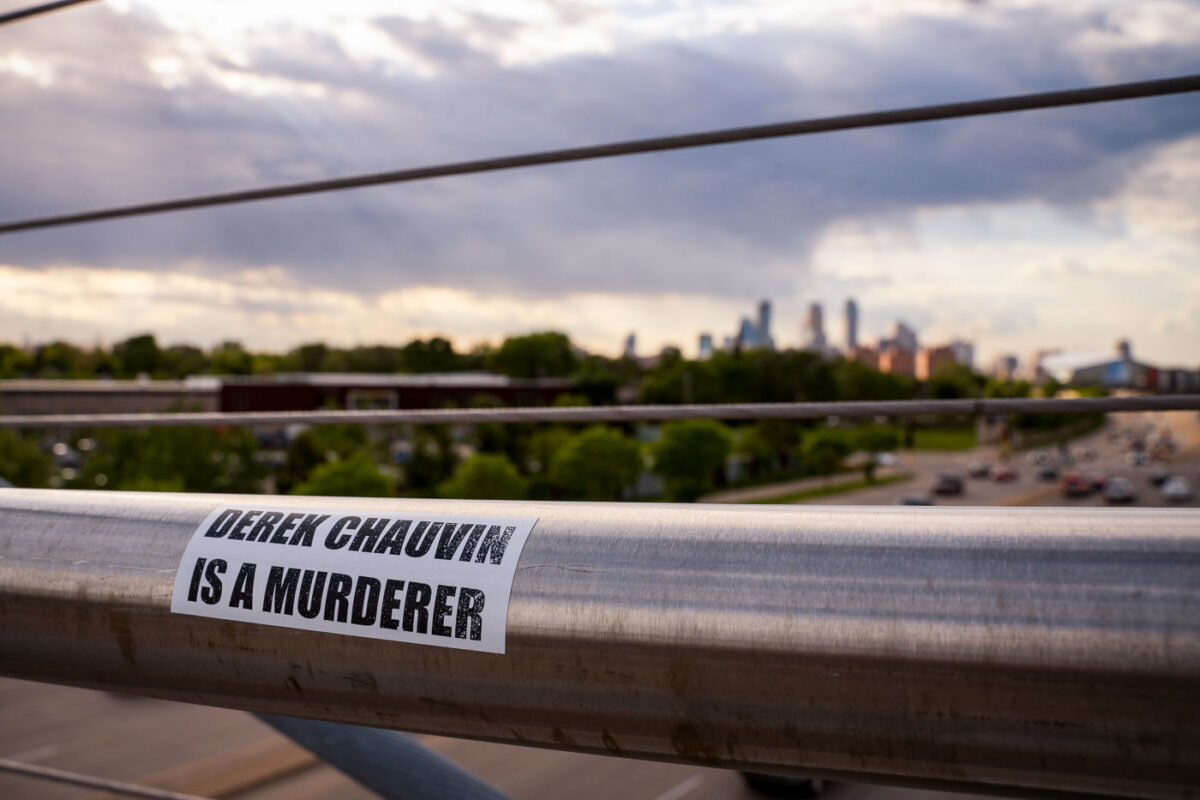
x=229 y=754
x=1027 y=490
x=215 y=752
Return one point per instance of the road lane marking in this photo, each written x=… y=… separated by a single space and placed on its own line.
x=36 y=754
x=681 y=789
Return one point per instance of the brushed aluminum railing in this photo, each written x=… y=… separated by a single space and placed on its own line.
x=995 y=649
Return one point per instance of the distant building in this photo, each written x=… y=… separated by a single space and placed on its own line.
x=756 y=333
x=851 y=325
x=1123 y=372
x=896 y=360
x=865 y=355
x=705 y=350
x=630 y=349
x=1004 y=367
x=747 y=336
x=904 y=337
x=307 y=391
x=764 y=325
x=1034 y=372
x=930 y=359
x=1179 y=381
x=813 y=332
x=964 y=352
x=37 y=396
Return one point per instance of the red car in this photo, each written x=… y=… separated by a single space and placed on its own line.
x=1074 y=485
x=1002 y=473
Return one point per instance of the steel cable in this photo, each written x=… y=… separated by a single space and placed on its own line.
x=33 y=11
x=900 y=116
x=628 y=413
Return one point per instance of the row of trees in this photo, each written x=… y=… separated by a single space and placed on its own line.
x=689 y=457
x=535 y=355
x=749 y=376
x=543 y=462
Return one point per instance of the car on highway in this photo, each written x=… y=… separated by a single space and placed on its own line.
x=1137 y=458
x=1002 y=473
x=948 y=483
x=1119 y=490
x=979 y=469
x=918 y=499
x=771 y=783
x=1097 y=481
x=1177 y=489
x=1159 y=475
x=1074 y=485
x=1047 y=473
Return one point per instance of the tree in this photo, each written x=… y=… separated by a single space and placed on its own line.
x=356 y=476
x=181 y=360
x=435 y=355
x=824 y=450
x=14 y=362
x=485 y=476
x=137 y=355
x=597 y=464
x=316 y=446
x=540 y=452
x=62 y=360
x=308 y=357
x=954 y=381
x=433 y=458
x=772 y=444
x=230 y=358
x=536 y=355
x=872 y=439
x=185 y=459
x=688 y=456
x=22 y=463
x=858 y=381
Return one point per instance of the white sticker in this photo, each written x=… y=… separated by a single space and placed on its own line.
x=431 y=579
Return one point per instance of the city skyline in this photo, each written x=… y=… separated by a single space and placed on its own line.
x=1069 y=227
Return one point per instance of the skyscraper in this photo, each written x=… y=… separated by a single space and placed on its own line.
x=764 y=324
x=753 y=333
x=813 y=334
x=851 y=324
x=630 y=350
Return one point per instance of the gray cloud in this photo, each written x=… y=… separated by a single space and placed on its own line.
x=709 y=221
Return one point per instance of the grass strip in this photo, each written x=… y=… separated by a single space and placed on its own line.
x=943 y=438
x=837 y=488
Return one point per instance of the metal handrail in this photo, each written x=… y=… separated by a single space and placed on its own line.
x=856 y=409
x=1017 y=650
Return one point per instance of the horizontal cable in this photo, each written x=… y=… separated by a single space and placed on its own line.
x=997 y=105
x=635 y=413
x=33 y=11
x=91 y=782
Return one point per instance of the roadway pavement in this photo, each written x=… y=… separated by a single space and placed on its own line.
x=1027 y=490
x=216 y=752
x=228 y=754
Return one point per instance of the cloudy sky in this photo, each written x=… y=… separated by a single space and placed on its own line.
x=1062 y=228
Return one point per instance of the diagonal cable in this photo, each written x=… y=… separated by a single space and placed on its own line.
x=900 y=116
x=33 y=11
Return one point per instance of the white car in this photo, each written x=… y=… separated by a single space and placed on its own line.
x=1177 y=489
